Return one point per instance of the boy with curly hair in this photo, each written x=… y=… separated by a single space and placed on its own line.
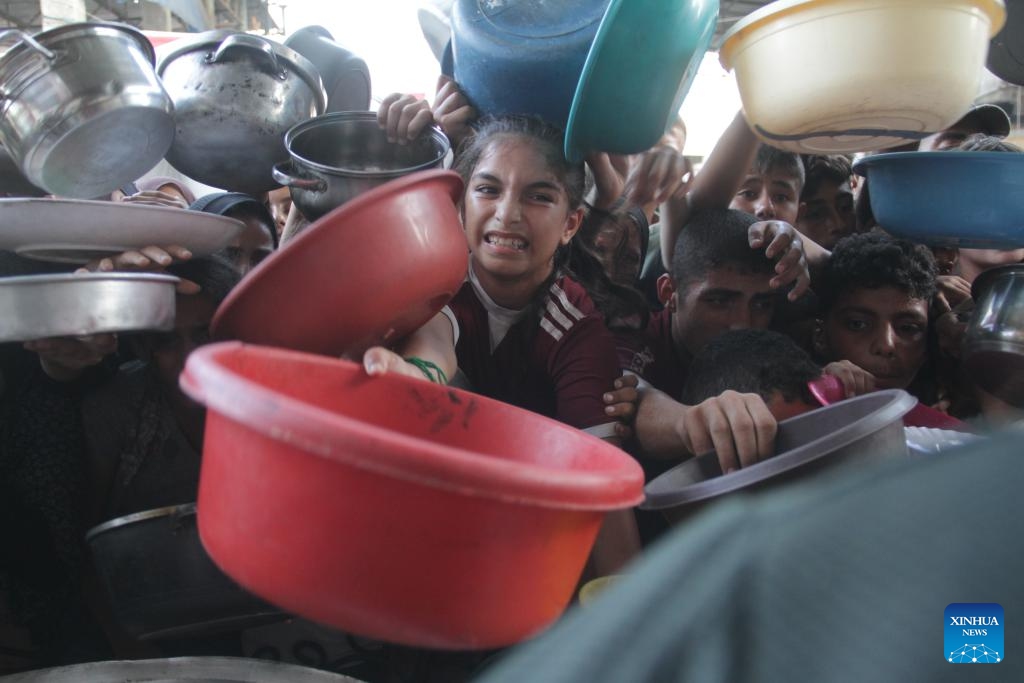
x=875 y=303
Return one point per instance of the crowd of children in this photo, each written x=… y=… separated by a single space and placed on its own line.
x=668 y=312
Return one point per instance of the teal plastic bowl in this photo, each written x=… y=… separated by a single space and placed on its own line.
x=641 y=64
x=973 y=200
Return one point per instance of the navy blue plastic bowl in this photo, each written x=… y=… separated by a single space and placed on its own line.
x=523 y=56
x=958 y=199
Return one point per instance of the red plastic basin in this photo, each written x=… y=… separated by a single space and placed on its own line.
x=367 y=273
x=392 y=507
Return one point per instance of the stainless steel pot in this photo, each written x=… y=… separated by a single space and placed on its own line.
x=994 y=342
x=40 y=306
x=162 y=584
x=81 y=109
x=13 y=182
x=339 y=156
x=235 y=96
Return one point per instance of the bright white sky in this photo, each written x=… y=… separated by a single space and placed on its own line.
x=386 y=34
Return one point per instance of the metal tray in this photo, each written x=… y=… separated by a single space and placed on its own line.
x=79 y=230
x=40 y=306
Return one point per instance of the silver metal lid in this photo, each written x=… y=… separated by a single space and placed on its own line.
x=209 y=41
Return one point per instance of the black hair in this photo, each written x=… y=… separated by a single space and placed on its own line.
x=769 y=158
x=716 y=238
x=862 y=210
x=238 y=206
x=873 y=260
x=987 y=143
x=628 y=220
x=619 y=305
x=759 y=362
x=819 y=168
x=573 y=176
x=215 y=275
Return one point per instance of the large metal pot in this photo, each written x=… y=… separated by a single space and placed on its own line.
x=81 y=109
x=162 y=584
x=339 y=156
x=994 y=342
x=235 y=95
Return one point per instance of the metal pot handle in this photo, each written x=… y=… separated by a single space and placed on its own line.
x=28 y=40
x=281 y=175
x=243 y=41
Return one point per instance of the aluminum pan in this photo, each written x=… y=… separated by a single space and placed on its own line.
x=41 y=306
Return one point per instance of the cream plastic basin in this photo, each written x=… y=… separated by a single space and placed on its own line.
x=832 y=76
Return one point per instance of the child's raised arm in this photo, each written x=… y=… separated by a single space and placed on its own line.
x=452 y=110
x=404 y=117
x=427 y=353
x=713 y=187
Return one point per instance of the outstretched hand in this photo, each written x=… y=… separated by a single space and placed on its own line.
x=151 y=259
x=856 y=380
x=380 y=361
x=658 y=175
x=783 y=244
x=621 y=403
x=452 y=110
x=156 y=198
x=404 y=117
x=738 y=427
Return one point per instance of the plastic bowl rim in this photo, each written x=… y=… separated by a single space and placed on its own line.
x=899 y=404
x=395 y=187
x=994 y=9
x=863 y=165
x=490 y=477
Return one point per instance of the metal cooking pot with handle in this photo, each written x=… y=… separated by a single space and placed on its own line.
x=161 y=582
x=235 y=96
x=338 y=156
x=994 y=342
x=81 y=109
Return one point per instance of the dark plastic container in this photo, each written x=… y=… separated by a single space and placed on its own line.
x=523 y=56
x=1006 y=51
x=863 y=428
x=345 y=76
x=162 y=584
